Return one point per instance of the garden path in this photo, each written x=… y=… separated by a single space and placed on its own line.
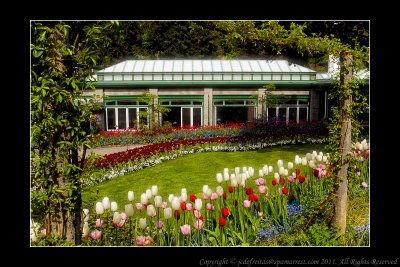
x=108 y=149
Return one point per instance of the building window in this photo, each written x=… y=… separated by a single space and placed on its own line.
x=183 y=112
x=289 y=110
x=234 y=111
x=124 y=114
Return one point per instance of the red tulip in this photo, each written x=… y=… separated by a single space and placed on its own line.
x=297 y=171
x=224 y=195
x=177 y=214
x=253 y=197
x=225 y=212
x=316 y=173
x=249 y=191
x=301 y=179
x=285 y=190
x=273 y=182
x=282 y=181
x=222 y=222
x=193 y=197
x=230 y=189
x=183 y=205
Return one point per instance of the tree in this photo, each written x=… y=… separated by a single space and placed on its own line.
x=154 y=112
x=63 y=56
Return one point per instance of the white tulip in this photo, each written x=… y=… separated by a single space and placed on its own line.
x=251 y=171
x=244 y=169
x=158 y=201
x=142 y=223
x=290 y=165
x=285 y=172
x=130 y=195
x=359 y=146
x=85 y=231
x=226 y=176
x=86 y=215
x=243 y=183
x=170 y=197
x=183 y=190
x=143 y=198
x=324 y=158
x=247 y=174
x=234 y=182
x=270 y=168
x=226 y=170
x=117 y=217
x=260 y=173
x=148 y=194
x=311 y=164
x=33 y=235
x=151 y=211
x=219 y=190
x=237 y=170
x=99 y=208
x=308 y=156
x=184 y=197
x=198 y=204
x=106 y=203
x=314 y=153
x=280 y=163
x=209 y=192
x=175 y=203
x=239 y=178
x=129 y=210
x=276 y=175
x=154 y=190
x=304 y=161
x=205 y=188
x=86 y=211
x=265 y=169
x=281 y=170
x=167 y=213
x=233 y=175
x=219 y=177
x=114 y=206
x=319 y=158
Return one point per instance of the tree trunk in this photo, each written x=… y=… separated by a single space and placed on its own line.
x=346 y=73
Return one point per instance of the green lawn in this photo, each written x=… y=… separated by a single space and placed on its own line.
x=192 y=172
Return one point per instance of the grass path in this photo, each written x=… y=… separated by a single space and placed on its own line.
x=190 y=172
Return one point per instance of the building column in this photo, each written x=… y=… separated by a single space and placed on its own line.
x=154 y=91
x=261 y=106
x=314 y=105
x=207 y=108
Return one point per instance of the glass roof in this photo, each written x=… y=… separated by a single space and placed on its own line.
x=206 y=66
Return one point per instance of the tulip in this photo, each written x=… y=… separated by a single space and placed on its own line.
x=225 y=212
x=281 y=170
x=106 y=203
x=205 y=188
x=99 y=222
x=151 y=211
x=142 y=223
x=239 y=178
x=251 y=171
x=143 y=198
x=324 y=158
x=177 y=214
x=265 y=169
x=33 y=235
x=214 y=196
x=183 y=191
x=167 y=213
x=364 y=185
x=129 y=210
x=164 y=205
x=158 y=201
x=183 y=197
x=243 y=183
x=276 y=176
x=140 y=240
x=222 y=222
x=274 y=182
x=237 y=170
x=159 y=224
x=175 y=204
x=197 y=213
x=170 y=197
x=205 y=196
x=230 y=189
x=183 y=206
x=290 y=179
x=114 y=206
x=219 y=190
x=234 y=182
x=130 y=195
x=185 y=229
x=253 y=197
x=285 y=172
x=99 y=208
x=124 y=216
x=249 y=191
x=96 y=234
x=209 y=206
x=224 y=195
x=280 y=163
x=219 y=177
x=319 y=158
x=246 y=203
x=139 y=206
x=233 y=175
x=301 y=179
x=198 y=204
x=85 y=231
x=314 y=153
x=189 y=206
x=226 y=176
x=86 y=215
x=198 y=224
x=192 y=197
x=290 y=165
x=304 y=161
x=246 y=174
x=285 y=190
x=260 y=173
x=270 y=168
x=311 y=164
x=154 y=190
x=116 y=217
x=262 y=189
x=148 y=194
x=226 y=170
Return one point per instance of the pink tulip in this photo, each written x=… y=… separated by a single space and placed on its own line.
x=185 y=229
x=121 y=223
x=364 y=185
x=209 y=206
x=290 y=179
x=95 y=234
x=164 y=205
x=361 y=159
x=189 y=206
x=197 y=213
x=205 y=196
x=99 y=222
x=139 y=206
x=246 y=203
x=159 y=224
x=198 y=225
x=123 y=216
x=214 y=196
x=140 y=240
x=262 y=189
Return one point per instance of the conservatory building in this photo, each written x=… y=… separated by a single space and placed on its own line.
x=210 y=92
